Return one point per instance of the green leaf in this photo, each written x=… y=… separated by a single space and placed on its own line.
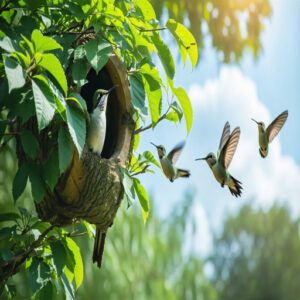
x=77 y=127
x=76 y=10
x=20 y=181
x=79 y=100
x=46 y=292
x=79 y=53
x=37 y=183
x=172 y=116
x=43 y=43
x=80 y=70
x=78 y=269
x=150 y=157
x=185 y=40
x=59 y=256
x=89 y=228
x=152 y=84
x=138 y=95
x=44 y=101
x=185 y=104
x=143 y=198
x=7 y=44
x=29 y=143
x=39 y=273
x=65 y=149
x=15 y=74
x=98 y=53
x=51 y=63
x=68 y=288
x=146 y=9
x=9 y=217
x=127 y=183
x=51 y=170
x=165 y=55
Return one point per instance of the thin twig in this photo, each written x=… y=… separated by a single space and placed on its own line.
x=5 y=142
x=152 y=29
x=5 y=7
x=162 y=117
x=10 y=133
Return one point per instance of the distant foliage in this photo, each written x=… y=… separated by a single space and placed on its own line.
x=233 y=26
x=257 y=255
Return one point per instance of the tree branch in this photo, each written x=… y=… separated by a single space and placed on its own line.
x=162 y=117
x=10 y=267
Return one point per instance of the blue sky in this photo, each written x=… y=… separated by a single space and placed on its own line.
x=260 y=89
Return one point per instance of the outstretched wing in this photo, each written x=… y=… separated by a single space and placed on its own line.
x=225 y=136
x=229 y=148
x=175 y=153
x=276 y=125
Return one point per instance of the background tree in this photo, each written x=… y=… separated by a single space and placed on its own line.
x=233 y=26
x=257 y=255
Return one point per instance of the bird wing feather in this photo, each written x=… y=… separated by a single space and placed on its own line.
x=175 y=152
x=224 y=137
x=229 y=148
x=274 y=128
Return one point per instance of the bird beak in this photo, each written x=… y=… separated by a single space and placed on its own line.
x=111 y=89
x=202 y=158
x=254 y=121
x=153 y=144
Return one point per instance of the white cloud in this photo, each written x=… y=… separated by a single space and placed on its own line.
x=233 y=97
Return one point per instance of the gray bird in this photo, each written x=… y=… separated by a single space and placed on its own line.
x=97 y=122
x=168 y=161
x=266 y=136
x=219 y=165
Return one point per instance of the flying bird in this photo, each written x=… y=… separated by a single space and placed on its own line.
x=168 y=161
x=219 y=164
x=266 y=136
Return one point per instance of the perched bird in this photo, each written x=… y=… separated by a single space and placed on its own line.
x=219 y=165
x=168 y=161
x=266 y=136
x=95 y=141
x=97 y=121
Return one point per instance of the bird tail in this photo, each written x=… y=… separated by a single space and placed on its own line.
x=183 y=173
x=236 y=189
x=262 y=153
x=99 y=247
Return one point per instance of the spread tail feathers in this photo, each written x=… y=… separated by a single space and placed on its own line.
x=183 y=173
x=99 y=247
x=262 y=153
x=237 y=189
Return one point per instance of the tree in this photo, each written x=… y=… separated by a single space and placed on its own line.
x=257 y=255
x=233 y=26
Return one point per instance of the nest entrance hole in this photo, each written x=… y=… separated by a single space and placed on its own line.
x=102 y=80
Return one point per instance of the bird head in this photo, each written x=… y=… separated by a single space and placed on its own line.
x=261 y=125
x=160 y=150
x=210 y=158
x=100 y=98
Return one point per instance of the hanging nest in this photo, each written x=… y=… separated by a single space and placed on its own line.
x=91 y=187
